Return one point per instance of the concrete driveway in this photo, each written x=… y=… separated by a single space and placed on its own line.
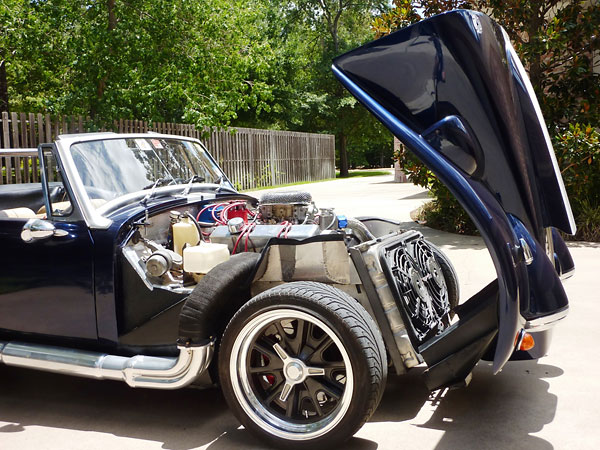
x=552 y=403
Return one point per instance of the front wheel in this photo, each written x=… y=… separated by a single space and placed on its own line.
x=302 y=364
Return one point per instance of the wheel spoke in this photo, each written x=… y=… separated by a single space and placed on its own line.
x=315 y=403
x=312 y=390
x=275 y=365
x=315 y=371
x=284 y=336
x=329 y=388
x=264 y=349
x=318 y=353
x=291 y=406
x=333 y=368
x=311 y=340
x=334 y=365
x=261 y=369
x=274 y=392
x=280 y=352
x=298 y=341
x=285 y=392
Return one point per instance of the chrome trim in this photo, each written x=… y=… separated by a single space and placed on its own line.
x=567 y=275
x=546 y=322
x=137 y=371
x=550 y=245
x=527 y=255
x=36 y=229
x=89 y=213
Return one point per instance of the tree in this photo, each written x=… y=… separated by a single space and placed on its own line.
x=556 y=41
x=193 y=61
x=333 y=27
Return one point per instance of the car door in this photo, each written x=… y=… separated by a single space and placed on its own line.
x=46 y=269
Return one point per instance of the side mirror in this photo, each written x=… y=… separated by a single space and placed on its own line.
x=36 y=229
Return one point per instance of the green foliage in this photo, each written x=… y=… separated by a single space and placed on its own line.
x=194 y=61
x=308 y=97
x=556 y=42
x=254 y=63
x=578 y=153
x=588 y=218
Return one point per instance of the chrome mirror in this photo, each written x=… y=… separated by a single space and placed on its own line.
x=36 y=229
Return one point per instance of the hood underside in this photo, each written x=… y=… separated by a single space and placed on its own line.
x=456 y=80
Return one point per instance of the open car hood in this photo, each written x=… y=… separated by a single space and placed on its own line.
x=453 y=90
x=456 y=80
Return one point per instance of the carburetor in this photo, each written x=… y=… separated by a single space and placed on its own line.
x=293 y=206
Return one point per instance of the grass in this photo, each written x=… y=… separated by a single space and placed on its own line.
x=352 y=174
x=365 y=173
x=263 y=188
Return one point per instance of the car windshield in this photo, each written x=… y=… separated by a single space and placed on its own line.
x=110 y=168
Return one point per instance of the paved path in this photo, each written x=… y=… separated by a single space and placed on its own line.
x=552 y=403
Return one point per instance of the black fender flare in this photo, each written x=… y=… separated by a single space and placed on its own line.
x=216 y=297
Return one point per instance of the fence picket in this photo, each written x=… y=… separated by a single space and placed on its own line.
x=251 y=158
x=5 y=144
x=16 y=160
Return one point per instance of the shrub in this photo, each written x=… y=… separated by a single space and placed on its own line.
x=577 y=149
x=578 y=153
x=443 y=212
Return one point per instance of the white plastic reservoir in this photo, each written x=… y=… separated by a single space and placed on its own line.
x=202 y=258
x=184 y=232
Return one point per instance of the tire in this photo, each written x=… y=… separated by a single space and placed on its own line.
x=302 y=365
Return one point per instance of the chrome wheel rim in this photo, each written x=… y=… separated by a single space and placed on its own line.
x=291 y=374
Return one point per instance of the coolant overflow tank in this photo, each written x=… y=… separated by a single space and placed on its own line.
x=184 y=233
x=202 y=258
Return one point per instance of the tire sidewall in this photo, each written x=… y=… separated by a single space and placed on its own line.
x=351 y=420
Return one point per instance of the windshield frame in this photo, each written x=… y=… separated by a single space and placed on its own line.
x=95 y=218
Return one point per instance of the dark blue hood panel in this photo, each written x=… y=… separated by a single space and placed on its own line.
x=452 y=89
x=461 y=65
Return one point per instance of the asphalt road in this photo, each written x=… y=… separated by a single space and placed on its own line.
x=551 y=403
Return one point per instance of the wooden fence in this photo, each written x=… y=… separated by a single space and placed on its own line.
x=251 y=158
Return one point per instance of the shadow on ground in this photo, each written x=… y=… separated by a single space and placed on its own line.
x=493 y=412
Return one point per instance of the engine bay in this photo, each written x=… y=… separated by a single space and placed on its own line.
x=174 y=249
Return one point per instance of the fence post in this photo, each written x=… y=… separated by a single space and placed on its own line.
x=5 y=144
x=250 y=157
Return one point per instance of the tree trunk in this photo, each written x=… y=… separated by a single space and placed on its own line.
x=112 y=19
x=3 y=87
x=101 y=84
x=343 y=155
x=535 y=63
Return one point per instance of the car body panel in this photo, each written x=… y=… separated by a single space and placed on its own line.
x=462 y=64
x=44 y=294
x=457 y=72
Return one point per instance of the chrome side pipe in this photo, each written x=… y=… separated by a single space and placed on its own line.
x=137 y=371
